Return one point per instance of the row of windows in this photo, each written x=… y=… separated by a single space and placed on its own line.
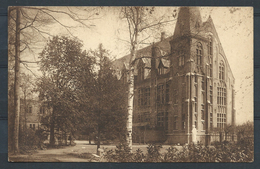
x=198 y=59
x=162 y=92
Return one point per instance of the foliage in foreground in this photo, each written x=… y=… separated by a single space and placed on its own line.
x=31 y=140
x=242 y=151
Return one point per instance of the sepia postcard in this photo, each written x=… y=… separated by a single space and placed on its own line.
x=130 y=84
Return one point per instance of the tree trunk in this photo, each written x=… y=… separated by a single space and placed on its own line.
x=17 y=83
x=66 y=138
x=129 y=125
x=130 y=108
x=52 y=139
x=98 y=141
x=89 y=138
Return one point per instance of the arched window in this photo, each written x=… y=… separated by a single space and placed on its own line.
x=199 y=54
x=221 y=70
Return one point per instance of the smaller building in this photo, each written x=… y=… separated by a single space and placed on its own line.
x=30 y=112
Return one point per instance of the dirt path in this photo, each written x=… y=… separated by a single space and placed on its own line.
x=82 y=152
x=65 y=154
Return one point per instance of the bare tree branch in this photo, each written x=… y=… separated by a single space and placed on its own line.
x=26 y=26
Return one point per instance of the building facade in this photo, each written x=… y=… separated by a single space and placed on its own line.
x=181 y=82
x=30 y=114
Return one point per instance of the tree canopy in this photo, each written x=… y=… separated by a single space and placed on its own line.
x=82 y=89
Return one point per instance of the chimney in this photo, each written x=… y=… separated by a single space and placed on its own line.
x=162 y=36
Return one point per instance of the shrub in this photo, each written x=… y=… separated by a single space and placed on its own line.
x=153 y=153
x=241 y=151
x=30 y=140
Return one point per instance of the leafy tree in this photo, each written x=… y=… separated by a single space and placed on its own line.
x=57 y=87
x=107 y=111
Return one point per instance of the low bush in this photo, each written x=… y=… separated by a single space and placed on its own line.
x=242 y=151
x=30 y=140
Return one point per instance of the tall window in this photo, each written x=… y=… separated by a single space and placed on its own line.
x=183 y=121
x=211 y=94
x=139 y=117
x=175 y=122
x=221 y=70
x=222 y=102
x=210 y=56
x=183 y=105
x=160 y=94
x=167 y=92
x=124 y=76
x=210 y=46
x=144 y=97
x=195 y=104
x=160 y=119
x=161 y=70
x=139 y=97
x=181 y=58
x=147 y=97
x=166 y=121
x=202 y=112
x=196 y=90
x=42 y=110
x=147 y=117
x=199 y=54
x=175 y=95
x=211 y=119
x=203 y=116
x=141 y=73
x=196 y=79
x=30 y=109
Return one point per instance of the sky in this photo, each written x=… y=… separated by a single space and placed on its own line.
x=234 y=26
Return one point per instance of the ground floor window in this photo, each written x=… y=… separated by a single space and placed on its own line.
x=175 y=118
x=183 y=121
x=221 y=117
x=162 y=120
x=32 y=126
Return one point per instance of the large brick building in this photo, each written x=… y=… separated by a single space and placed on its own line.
x=180 y=82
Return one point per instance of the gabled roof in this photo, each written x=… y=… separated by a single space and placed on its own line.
x=208 y=26
x=145 y=53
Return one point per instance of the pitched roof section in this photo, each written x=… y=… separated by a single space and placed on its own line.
x=208 y=26
x=163 y=46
